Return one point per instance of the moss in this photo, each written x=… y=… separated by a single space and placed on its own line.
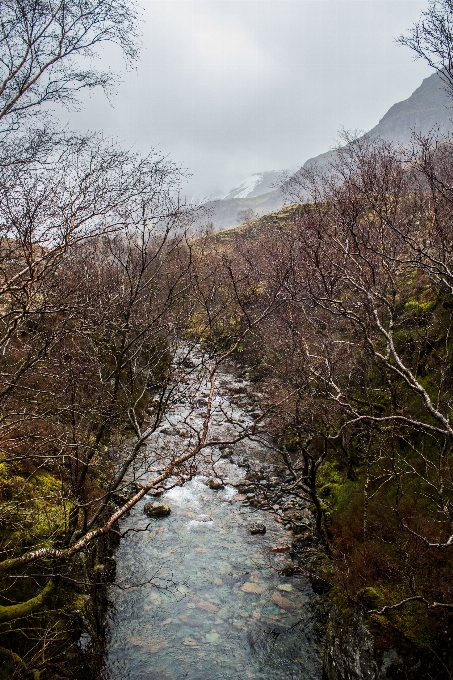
x=16 y=611
x=329 y=474
x=343 y=604
x=417 y=307
x=371 y=598
x=39 y=507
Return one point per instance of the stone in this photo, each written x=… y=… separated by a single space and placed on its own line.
x=250 y=587
x=168 y=430
x=156 y=509
x=287 y=587
x=213 y=638
x=156 y=645
x=282 y=602
x=207 y=607
x=257 y=529
x=120 y=498
x=215 y=484
x=155 y=492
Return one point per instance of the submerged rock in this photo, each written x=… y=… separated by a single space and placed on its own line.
x=282 y=602
x=156 y=509
x=215 y=484
x=207 y=607
x=251 y=587
x=213 y=638
x=257 y=529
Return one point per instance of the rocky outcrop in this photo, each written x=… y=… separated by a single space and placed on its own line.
x=428 y=109
x=349 y=650
x=352 y=652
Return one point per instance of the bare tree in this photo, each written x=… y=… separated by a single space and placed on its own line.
x=43 y=45
x=431 y=38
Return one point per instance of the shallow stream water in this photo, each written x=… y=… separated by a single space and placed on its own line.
x=201 y=598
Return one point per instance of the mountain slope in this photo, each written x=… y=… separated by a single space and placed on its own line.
x=427 y=108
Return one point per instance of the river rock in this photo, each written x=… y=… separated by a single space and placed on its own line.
x=156 y=509
x=282 y=602
x=207 y=607
x=155 y=645
x=120 y=498
x=213 y=638
x=287 y=587
x=251 y=587
x=257 y=529
x=155 y=493
x=215 y=484
x=168 y=430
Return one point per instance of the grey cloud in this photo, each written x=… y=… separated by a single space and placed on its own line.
x=232 y=87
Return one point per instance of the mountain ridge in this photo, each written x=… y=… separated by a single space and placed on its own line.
x=428 y=108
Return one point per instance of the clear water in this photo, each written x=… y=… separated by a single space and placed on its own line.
x=200 y=597
x=221 y=609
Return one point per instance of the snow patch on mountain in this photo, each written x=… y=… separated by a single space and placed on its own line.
x=255 y=185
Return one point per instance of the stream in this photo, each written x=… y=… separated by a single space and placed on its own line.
x=197 y=596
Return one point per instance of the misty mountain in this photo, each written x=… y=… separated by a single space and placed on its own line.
x=255 y=185
x=428 y=108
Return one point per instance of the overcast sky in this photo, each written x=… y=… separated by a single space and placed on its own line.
x=232 y=87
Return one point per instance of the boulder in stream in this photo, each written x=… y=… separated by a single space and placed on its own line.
x=156 y=509
x=156 y=492
x=257 y=529
x=215 y=484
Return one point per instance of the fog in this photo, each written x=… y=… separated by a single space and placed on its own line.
x=231 y=87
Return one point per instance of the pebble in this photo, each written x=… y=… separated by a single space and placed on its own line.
x=213 y=638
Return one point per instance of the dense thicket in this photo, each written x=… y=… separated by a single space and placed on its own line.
x=92 y=273
x=356 y=366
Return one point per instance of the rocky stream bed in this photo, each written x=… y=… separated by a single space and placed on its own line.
x=213 y=589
